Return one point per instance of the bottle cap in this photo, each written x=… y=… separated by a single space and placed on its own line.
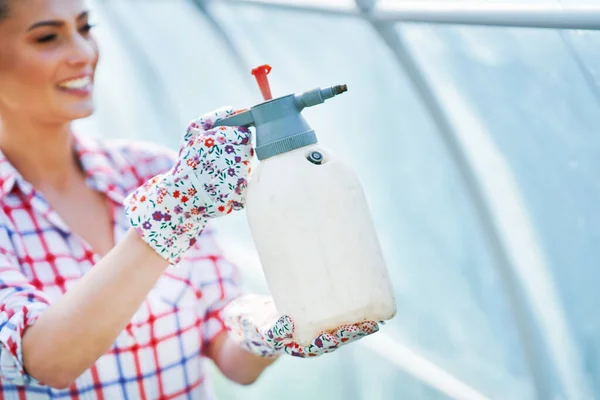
x=279 y=124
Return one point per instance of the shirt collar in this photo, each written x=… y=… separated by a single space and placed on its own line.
x=8 y=175
x=102 y=170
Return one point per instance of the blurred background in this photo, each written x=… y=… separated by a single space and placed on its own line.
x=479 y=151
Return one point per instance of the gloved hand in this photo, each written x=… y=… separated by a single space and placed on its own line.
x=209 y=180
x=253 y=322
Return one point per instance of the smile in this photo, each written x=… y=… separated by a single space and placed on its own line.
x=80 y=87
x=81 y=83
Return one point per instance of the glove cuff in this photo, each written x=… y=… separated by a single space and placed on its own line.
x=166 y=217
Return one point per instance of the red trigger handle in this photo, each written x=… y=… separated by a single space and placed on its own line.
x=260 y=73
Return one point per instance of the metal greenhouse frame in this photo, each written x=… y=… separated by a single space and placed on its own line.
x=547 y=360
x=551 y=358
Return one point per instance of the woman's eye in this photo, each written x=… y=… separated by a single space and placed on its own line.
x=46 y=39
x=87 y=28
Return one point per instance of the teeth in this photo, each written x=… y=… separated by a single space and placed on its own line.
x=78 y=83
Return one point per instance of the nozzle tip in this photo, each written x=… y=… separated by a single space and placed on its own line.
x=339 y=89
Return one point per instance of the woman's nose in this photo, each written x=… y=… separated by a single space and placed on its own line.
x=83 y=51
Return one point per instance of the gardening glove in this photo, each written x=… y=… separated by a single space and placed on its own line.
x=208 y=181
x=253 y=321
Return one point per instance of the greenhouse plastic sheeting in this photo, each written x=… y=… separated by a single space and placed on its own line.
x=529 y=98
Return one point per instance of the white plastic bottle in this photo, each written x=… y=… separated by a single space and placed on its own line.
x=311 y=222
x=317 y=244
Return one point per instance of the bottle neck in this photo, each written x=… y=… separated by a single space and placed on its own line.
x=286 y=144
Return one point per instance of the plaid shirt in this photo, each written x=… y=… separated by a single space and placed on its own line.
x=159 y=354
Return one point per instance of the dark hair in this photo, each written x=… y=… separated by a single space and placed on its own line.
x=3 y=9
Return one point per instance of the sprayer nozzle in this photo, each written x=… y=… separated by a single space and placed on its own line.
x=318 y=95
x=339 y=89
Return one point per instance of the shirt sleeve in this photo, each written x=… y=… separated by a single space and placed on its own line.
x=20 y=306
x=144 y=159
x=215 y=276
x=218 y=280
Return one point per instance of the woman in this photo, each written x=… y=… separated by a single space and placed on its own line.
x=129 y=327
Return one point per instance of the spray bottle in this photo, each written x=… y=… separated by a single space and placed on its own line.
x=310 y=220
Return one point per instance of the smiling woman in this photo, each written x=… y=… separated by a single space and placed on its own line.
x=88 y=228
x=61 y=196
x=51 y=51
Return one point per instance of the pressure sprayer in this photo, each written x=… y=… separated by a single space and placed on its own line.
x=310 y=220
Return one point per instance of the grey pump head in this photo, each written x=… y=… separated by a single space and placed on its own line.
x=279 y=124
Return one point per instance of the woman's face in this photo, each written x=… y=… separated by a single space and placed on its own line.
x=47 y=60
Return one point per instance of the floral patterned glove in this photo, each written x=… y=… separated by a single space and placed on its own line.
x=253 y=321
x=209 y=180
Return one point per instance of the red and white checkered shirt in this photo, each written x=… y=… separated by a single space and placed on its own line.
x=159 y=354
